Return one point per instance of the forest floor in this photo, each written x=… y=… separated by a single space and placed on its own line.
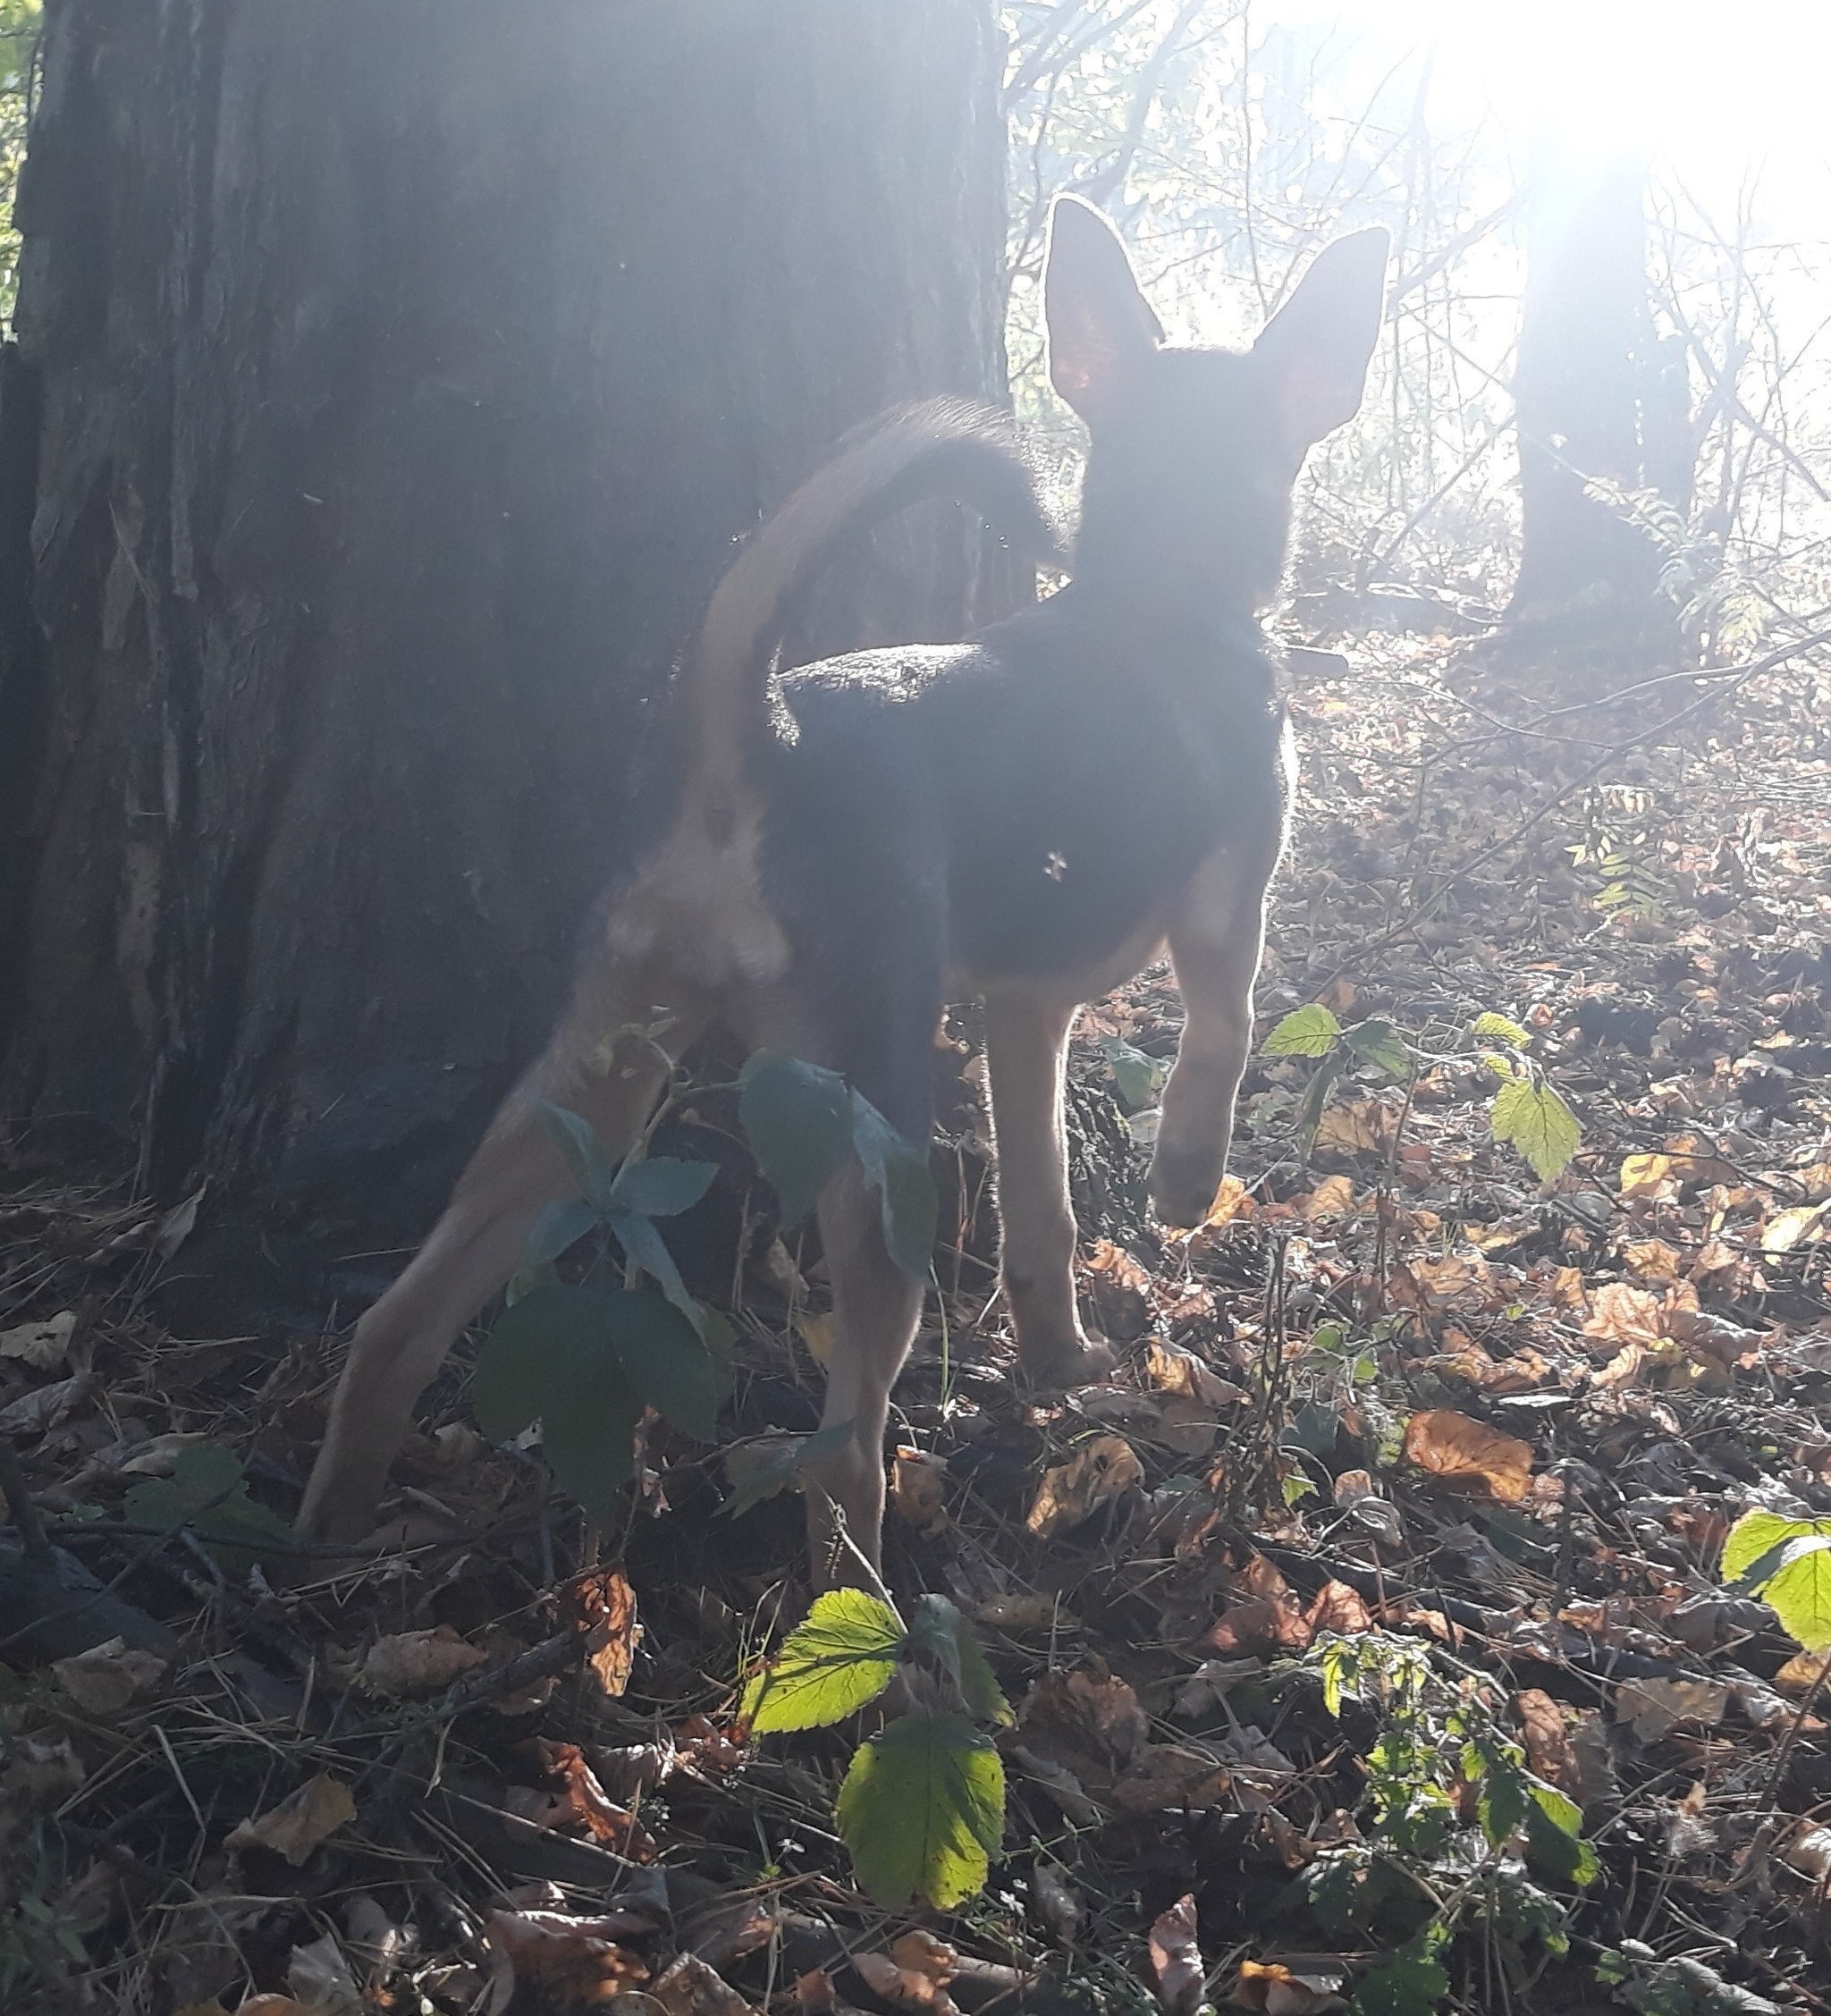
x=1399 y=1395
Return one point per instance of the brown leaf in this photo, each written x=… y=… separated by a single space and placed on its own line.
x=1230 y=1202
x=604 y=1607
x=1186 y=1377
x=913 y=1974
x=1654 y=1261
x=1171 y=1777
x=725 y=1928
x=1100 y=1472
x=1176 y=1959
x=917 y=1479
x=1056 y=1903
x=1656 y=1706
x=1120 y=1285
x=41 y=1346
x=1281 y=1989
x=1547 y=1738
x=1623 y=1314
x=1333 y=1197
x=1467 y=1457
x=572 y=1960
x=299 y=1822
x=105 y=1678
x=1354 y=1127
x=1801 y=1673
x=579 y=1801
x=1339 y=1608
x=1087 y=1718
x=417 y=1662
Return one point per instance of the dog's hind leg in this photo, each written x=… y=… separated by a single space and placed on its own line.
x=1027 y=1039
x=609 y=1062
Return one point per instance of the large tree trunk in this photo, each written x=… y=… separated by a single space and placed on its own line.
x=405 y=372
x=1594 y=399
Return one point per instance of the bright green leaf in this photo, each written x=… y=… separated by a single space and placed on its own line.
x=1554 y=1836
x=1799 y=1591
x=1759 y=1533
x=834 y=1662
x=1378 y=1042
x=1137 y=1077
x=662 y=1184
x=797 y=1120
x=1501 y=1805
x=937 y=1626
x=1537 y=1123
x=1316 y=1097
x=922 y=1811
x=1306 y=1032
x=1492 y=1028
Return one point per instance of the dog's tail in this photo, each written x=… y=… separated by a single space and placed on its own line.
x=944 y=448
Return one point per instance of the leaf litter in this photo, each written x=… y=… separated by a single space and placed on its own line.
x=1403 y=1391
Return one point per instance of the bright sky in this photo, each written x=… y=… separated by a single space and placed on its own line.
x=1714 y=89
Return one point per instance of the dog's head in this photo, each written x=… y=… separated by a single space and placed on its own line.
x=1192 y=453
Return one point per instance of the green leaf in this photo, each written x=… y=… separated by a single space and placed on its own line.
x=1537 y=1123
x=537 y=1347
x=1555 y=1836
x=1137 y=1077
x=938 y=1628
x=572 y=1134
x=639 y=1237
x=911 y=1203
x=1412 y=1983
x=1304 y=1031
x=797 y=1120
x=1505 y=1793
x=1759 y=1533
x=784 y=1464
x=590 y=1442
x=207 y=1492
x=1316 y=1097
x=659 y=1353
x=561 y=1224
x=922 y=1811
x=1799 y=1591
x=1378 y=1042
x=834 y=1662
x=662 y=1186
x=1493 y=1028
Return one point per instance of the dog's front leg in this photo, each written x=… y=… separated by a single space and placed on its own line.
x=876 y=1307
x=1215 y=946
x=1026 y=1040
x=402 y=1340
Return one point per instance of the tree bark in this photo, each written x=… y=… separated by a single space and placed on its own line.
x=1592 y=392
x=398 y=378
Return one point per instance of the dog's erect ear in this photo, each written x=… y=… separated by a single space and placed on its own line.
x=1319 y=342
x=1099 y=324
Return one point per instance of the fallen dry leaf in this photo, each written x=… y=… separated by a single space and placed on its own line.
x=1230 y=1202
x=43 y=1344
x=913 y=1974
x=917 y=1490
x=1281 y=1989
x=417 y=1662
x=1120 y=1285
x=1176 y=1959
x=105 y=1678
x=604 y=1607
x=1184 y=1376
x=1087 y=1719
x=578 y=1800
x=572 y=1959
x=1333 y=1197
x=1468 y=1456
x=1100 y=1472
x=687 y=1986
x=1801 y=1673
x=1056 y=1904
x=1171 y=1777
x=1624 y=1314
x=1340 y=1609
x=299 y=1822
x=1354 y=1127
x=1654 y=1708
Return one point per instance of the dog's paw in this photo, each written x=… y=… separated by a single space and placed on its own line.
x=1182 y=1187
x=1080 y=1363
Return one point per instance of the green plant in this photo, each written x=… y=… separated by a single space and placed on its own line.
x=1457 y=1825
x=207 y=1493
x=1786 y=1563
x=1526 y=1111
x=1618 y=845
x=922 y=1806
x=587 y=1359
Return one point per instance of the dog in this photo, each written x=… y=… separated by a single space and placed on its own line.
x=1029 y=818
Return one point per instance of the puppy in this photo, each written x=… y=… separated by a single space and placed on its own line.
x=1029 y=818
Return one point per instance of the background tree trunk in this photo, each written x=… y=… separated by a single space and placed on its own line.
x=405 y=373
x=1594 y=396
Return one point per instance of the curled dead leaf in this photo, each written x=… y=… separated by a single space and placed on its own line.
x=1654 y=1708
x=1468 y=1456
x=1171 y=1778
x=417 y=1662
x=43 y=1346
x=917 y=1495
x=299 y=1822
x=1100 y=1472
x=604 y=1608
x=913 y=1974
x=571 y=1959
x=1307 y=1987
x=105 y=1678
x=1176 y=1959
